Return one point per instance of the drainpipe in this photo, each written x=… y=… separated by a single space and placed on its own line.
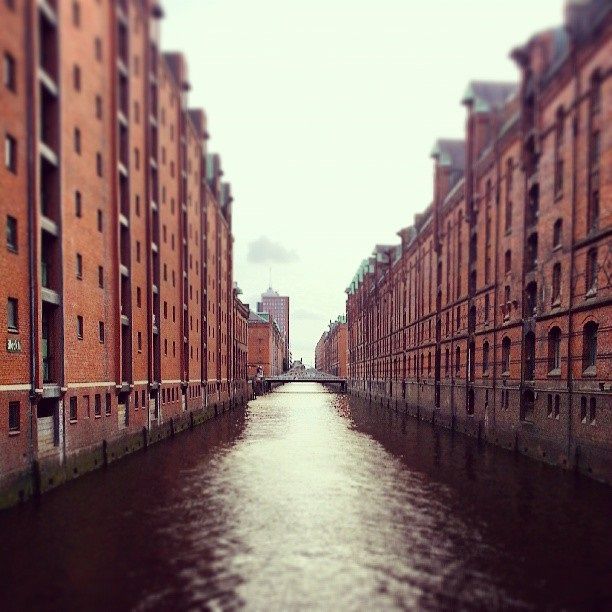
x=32 y=236
x=575 y=126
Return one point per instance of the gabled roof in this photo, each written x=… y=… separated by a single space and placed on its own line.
x=449 y=152
x=486 y=96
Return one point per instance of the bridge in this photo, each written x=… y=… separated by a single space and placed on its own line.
x=308 y=375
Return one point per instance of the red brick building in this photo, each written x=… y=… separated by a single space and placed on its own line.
x=492 y=316
x=266 y=345
x=278 y=306
x=119 y=313
x=241 y=343
x=331 y=352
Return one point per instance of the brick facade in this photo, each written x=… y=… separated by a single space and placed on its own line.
x=492 y=316
x=266 y=345
x=331 y=352
x=120 y=312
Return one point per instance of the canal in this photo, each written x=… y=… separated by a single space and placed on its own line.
x=309 y=499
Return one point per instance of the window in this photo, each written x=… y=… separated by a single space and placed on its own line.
x=101 y=277
x=108 y=404
x=12 y=314
x=486 y=306
x=10 y=72
x=77 y=140
x=137 y=201
x=98 y=107
x=559 y=177
x=10 y=153
x=592 y=410
x=457 y=360
x=79 y=327
x=79 y=266
x=98 y=405
x=508 y=261
x=136 y=158
x=13 y=417
x=98 y=49
x=583 y=409
x=140 y=342
x=138 y=297
x=73 y=408
x=554 y=351
x=549 y=408
x=78 y=204
x=556 y=283
x=100 y=220
x=589 y=347
x=595 y=149
x=485 y=357
x=11 y=233
x=101 y=331
x=76 y=77
x=507 y=302
x=595 y=94
x=138 y=251
x=531 y=299
x=532 y=251
x=591 y=271
x=76 y=14
x=557 y=233
x=506 y=355
x=593 y=218
x=136 y=396
x=559 y=136
x=99 y=168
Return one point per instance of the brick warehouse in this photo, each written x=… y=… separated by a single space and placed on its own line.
x=122 y=325
x=492 y=316
x=266 y=345
x=331 y=352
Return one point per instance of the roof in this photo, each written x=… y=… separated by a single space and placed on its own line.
x=450 y=152
x=486 y=96
x=270 y=293
x=258 y=317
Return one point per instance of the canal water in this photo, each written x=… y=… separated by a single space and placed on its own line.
x=308 y=499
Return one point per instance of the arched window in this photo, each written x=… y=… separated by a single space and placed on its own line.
x=457 y=360
x=506 y=355
x=556 y=283
x=508 y=261
x=589 y=346
x=485 y=357
x=554 y=350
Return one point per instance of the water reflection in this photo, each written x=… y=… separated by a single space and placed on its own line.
x=310 y=500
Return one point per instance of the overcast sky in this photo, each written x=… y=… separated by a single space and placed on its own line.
x=324 y=113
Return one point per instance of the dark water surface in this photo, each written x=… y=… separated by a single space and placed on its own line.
x=308 y=499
